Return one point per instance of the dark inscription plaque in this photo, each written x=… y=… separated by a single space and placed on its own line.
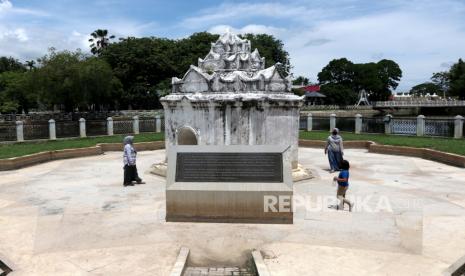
x=229 y=167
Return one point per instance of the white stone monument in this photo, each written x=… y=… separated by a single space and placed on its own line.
x=230 y=107
x=230 y=98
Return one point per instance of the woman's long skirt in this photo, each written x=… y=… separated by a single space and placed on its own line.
x=335 y=158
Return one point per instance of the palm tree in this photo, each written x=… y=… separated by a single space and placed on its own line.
x=30 y=64
x=99 y=41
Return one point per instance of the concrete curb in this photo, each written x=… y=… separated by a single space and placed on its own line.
x=181 y=262
x=456 y=269
x=41 y=157
x=260 y=265
x=429 y=154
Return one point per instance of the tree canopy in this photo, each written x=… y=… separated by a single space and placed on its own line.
x=341 y=80
x=131 y=73
x=457 y=80
x=425 y=88
x=446 y=83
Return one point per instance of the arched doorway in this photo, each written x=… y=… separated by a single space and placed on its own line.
x=186 y=136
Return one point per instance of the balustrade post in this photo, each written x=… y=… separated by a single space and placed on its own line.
x=82 y=128
x=332 y=122
x=158 y=123
x=358 y=123
x=458 y=127
x=135 y=125
x=309 y=121
x=420 y=125
x=52 y=129
x=388 y=124
x=110 y=126
x=20 y=131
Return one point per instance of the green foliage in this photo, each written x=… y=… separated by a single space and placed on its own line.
x=99 y=41
x=442 y=81
x=425 y=88
x=301 y=80
x=145 y=66
x=457 y=80
x=342 y=80
x=16 y=91
x=338 y=94
x=70 y=81
x=132 y=73
x=10 y=64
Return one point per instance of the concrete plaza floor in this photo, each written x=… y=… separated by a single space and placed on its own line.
x=74 y=217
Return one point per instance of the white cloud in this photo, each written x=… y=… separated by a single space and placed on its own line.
x=5 y=5
x=254 y=29
x=421 y=35
x=234 y=12
x=18 y=34
x=7 y=8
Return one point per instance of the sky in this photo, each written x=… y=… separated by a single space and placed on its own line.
x=422 y=36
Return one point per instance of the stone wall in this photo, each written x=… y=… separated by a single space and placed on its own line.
x=235 y=123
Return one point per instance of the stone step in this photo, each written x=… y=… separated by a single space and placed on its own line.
x=217 y=271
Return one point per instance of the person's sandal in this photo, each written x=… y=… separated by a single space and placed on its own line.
x=140 y=182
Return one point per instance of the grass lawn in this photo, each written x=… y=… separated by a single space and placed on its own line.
x=19 y=149
x=443 y=144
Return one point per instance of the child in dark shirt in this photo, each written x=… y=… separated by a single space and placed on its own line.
x=343 y=185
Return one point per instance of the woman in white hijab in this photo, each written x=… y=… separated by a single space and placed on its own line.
x=129 y=160
x=335 y=150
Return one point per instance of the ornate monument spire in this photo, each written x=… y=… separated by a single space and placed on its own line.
x=231 y=66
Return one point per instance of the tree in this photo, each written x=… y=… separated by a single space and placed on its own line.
x=457 y=80
x=17 y=92
x=301 y=80
x=99 y=41
x=338 y=94
x=441 y=80
x=338 y=71
x=100 y=89
x=10 y=64
x=146 y=65
x=378 y=79
x=337 y=82
x=140 y=64
x=390 y=74
x=30 y=64
x=425 y=88
x=70 y=81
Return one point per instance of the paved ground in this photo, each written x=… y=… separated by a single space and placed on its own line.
x=73 y=217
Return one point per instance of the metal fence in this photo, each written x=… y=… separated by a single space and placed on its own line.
x=36 y=130
x=345 y=124
x=404 y=126
x=439 y=127
x=147 y=125
x=123 y=127
x=67 y=129
x=320 y=123
x=373 y=125
x=96 y=128
x=303 y=122
x=7 y=131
